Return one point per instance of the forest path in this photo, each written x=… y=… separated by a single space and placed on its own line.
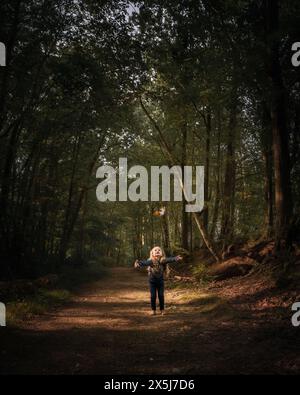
x=107 y=329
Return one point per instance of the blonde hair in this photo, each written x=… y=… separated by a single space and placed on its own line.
x=163 y=255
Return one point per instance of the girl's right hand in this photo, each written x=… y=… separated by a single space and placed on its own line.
x=136 y=264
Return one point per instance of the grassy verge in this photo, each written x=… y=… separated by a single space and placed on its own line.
x=194 y=298
x=44 y=299
x=27 y=307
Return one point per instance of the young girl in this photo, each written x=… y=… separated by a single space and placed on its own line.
x=156 y=267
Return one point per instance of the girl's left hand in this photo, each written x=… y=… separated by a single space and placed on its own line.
x=179 y=258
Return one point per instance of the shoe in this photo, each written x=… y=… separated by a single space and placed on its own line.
x=153 y=312
x=162 y=312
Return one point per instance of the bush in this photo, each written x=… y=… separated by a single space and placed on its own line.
x=201 y=273
x=50 y=291
x=39 y=304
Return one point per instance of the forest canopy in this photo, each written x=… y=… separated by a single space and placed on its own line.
x=161 y=83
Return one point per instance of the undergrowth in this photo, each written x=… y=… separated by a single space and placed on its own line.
x=43 y=300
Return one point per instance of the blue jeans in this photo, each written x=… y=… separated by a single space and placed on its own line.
x=157 y=287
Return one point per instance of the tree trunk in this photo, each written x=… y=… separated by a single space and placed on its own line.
x=268 y=165
x=207 y=168
x=81 y=241
x=218 y=191
x=205 y=236
x=5 y=182
x=166 y=234
x=283 y=195
x=230 y=172
x=185 y=218
x=66 y=226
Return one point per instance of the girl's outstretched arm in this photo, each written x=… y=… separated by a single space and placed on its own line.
x=146 y=263
x=173 y=259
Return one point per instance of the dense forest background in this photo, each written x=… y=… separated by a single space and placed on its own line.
x=206 y=83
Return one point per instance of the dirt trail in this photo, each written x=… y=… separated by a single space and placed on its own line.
x=107 y=330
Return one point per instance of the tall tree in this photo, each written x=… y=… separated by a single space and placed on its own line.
x=283 y=195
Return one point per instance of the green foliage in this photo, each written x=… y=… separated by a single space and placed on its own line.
x=43 y=301
x=70 y=102
x=201 y=274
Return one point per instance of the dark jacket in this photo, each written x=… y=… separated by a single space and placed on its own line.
x=156 y=269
